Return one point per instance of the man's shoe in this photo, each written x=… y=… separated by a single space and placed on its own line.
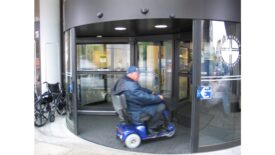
x=162 y=128
x=153 y=131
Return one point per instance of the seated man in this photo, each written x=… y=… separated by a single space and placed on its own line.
x=140 y=101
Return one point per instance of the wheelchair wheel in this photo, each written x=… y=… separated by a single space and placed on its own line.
x=40 y=119
x=51 y=117
x=61 y=107
x=40 y=114
x=132 y=141
x=108 y=98
x=61 y=112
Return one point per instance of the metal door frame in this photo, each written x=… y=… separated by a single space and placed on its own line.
x=196 y=70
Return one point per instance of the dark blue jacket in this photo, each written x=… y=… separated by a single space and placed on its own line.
x=136 y=96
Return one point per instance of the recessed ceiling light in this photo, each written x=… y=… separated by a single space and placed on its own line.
x=161 y=26
x=120 y=28
x=99 y=36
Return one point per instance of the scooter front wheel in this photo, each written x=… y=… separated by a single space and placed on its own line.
x=171 y=134
x=132 y=141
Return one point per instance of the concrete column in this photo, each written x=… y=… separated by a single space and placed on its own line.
x=50 y=42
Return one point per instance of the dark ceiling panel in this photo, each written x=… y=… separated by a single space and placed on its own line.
x=134 y=28
x=82 y=12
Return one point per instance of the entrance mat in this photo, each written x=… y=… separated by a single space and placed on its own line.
x=101 y=130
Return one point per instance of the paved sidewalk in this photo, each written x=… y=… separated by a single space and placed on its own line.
x=55 y=139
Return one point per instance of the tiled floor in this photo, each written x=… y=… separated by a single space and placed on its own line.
x=55 y=139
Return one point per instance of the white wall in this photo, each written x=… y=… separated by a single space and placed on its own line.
x=50 y=42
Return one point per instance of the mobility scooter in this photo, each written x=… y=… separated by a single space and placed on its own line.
x=131 y=134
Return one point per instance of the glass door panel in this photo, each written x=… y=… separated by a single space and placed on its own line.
x=99 y=66
x=166 y=69
x=183 y=87
x=220 y=69
x=185 y=70
x=95 y=88
x=155 y=63
x=103 y=57
x=149 y=65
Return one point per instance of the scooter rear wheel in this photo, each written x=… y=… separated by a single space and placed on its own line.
x=132 y=141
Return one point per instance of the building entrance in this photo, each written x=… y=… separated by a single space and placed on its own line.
x=165 y=68
x=205 y=121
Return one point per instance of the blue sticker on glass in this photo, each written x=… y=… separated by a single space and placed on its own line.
x=204 y=92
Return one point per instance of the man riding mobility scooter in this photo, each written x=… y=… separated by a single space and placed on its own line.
x=132 y=134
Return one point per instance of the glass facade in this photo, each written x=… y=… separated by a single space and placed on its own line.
x=98 y=67
x=219 y=120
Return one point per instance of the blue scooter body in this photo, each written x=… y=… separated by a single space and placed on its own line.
x=123 y=130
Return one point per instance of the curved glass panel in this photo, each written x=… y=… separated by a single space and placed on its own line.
x=67 y=77
x=221 y=72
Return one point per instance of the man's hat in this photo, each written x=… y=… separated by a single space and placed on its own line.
x=132 y=69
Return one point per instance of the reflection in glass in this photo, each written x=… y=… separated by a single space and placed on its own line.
x=155 y=63
x=69 y=98
x=185 y=69
x=185 y=56
x=220 y=69
x=68 y=79
x=95 y=88
x=67 y=52
x=183 y=87
x=97 y=57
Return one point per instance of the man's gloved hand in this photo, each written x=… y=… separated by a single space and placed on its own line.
x=160 y=96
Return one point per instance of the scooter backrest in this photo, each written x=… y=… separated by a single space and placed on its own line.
x=120 y=106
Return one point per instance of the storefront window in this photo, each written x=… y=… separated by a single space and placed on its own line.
x=220 y=70
x=103 y=57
